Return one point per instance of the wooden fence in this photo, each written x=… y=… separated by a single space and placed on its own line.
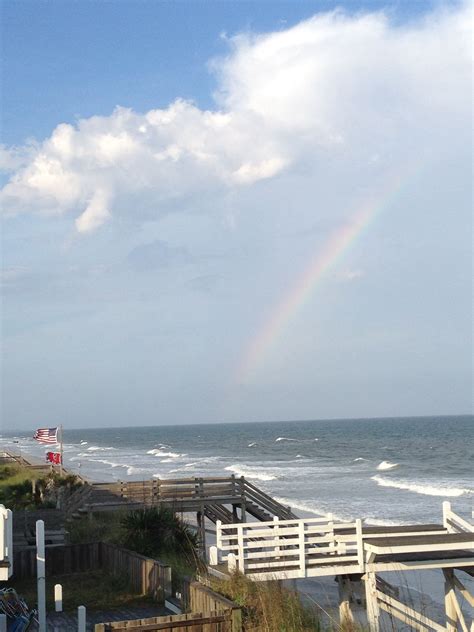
x=197 y=597
x=196 y=622
x=146 y=576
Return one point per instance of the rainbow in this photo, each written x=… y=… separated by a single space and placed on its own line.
x=332 y=252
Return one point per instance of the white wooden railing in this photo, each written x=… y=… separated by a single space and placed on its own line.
x=291 y=548
x=453 y=522
x=6 y=543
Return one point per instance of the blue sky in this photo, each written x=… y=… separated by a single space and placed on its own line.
x=145 y=248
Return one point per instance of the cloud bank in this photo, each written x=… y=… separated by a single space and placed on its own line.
x=337 y=88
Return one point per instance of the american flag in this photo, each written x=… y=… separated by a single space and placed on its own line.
x=46 y=435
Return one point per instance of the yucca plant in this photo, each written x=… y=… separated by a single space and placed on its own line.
x=159 y=531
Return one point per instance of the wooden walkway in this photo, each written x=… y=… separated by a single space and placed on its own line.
x=317 y=547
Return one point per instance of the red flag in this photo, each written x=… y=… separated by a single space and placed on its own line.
x=53 y=457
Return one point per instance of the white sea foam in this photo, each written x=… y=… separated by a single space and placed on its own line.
x=160 y=452
x=422 y=488
x=96 y=448
x=376 y=522
x=285 y=439
x=308 y=508
x=84 y=442
x=386 y=465
x=251 y=472
x=360 y=458
x=110 y=463
x=252 y=445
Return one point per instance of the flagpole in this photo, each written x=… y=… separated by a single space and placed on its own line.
x=61 y=449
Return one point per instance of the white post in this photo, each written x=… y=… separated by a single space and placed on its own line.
x=231 y=562
x=240 y=542
x=371 y=599
x=360 y=545
x=61 y=449
x=10 y=540
x=276 y=520
x=41 y=575
x=58 y=598
x=81 y=619
x=446 y=512
x=3 y=533
x=3 y=623
x=213 y=556
x=302 y=548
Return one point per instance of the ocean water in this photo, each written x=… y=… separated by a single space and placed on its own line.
x=386 y=471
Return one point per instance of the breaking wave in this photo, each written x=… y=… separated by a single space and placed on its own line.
x=359 y=458
x=96 y=448
x=249 y=472
x=386 y=465
x=284 y=439
x=417 y=488
x=160 y=452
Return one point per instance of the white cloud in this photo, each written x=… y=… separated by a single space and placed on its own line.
x=335 y=89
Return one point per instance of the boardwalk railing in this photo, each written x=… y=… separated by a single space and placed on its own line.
x=291 y=548
x=184 y=494
x=453 y=522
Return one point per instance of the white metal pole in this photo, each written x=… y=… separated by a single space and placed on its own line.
x=41 y=575
x=61 y=449
x=3 y=623
x=81 y=619
x=58 y=598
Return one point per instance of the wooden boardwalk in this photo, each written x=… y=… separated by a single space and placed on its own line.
x=317 y=547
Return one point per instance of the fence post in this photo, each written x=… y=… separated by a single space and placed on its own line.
x=231 y=562
x=360 y=545
x=451 y=615
x=240 y=542
x=41 y=575
x=446 y=512
x=3 y=623
x=236 y=620
x=276 y=520
x=301 y=547
x=213 y=557
x=81 y=619
x=371 y=599
x=243 y=516
x=58 y=598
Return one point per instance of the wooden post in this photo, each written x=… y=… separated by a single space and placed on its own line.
x=236 y=621
x=240 y=541
x=41 y=575
x=277 y=537
x=243 y=516
x=451 y=616
x=371 y=600
x=302 y=548
x=345 y=612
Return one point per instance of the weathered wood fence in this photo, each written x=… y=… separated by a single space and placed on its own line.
x=196 y=622
x=197 y=597
x=146 y=576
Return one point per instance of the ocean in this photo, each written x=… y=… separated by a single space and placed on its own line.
x=386 y=471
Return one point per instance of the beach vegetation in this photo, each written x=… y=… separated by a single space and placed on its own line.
x=155 y=531
x=22 y=487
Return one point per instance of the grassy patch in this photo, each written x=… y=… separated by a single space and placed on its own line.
x=96 y=590
x=268 y=606
x=22 y=487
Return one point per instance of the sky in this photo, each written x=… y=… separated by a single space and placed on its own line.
x=235 y=211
